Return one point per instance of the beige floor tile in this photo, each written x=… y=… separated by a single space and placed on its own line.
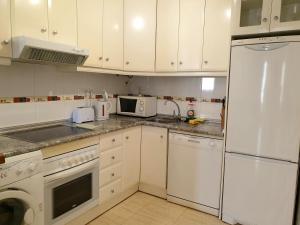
x=144 y=209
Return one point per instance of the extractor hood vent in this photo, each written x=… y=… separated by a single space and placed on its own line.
x=34 y=50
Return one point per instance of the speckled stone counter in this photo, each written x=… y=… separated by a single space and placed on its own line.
x=11 y=147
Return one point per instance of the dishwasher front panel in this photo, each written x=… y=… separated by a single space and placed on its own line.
x=194 y=169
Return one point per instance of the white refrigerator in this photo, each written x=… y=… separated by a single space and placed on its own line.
x=263 y=132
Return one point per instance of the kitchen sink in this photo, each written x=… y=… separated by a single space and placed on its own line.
x=163 y=120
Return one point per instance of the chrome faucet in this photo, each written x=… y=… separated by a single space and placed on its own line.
x=178 y=109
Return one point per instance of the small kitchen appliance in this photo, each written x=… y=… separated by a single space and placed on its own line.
x=102 y=108
x=140 y=106
x=83 y=114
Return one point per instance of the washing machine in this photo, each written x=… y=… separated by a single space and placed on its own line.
x=22 y=190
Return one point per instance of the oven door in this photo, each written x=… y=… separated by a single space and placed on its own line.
x=127 y=106
x=71 y=192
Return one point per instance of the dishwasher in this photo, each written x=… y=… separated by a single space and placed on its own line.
x=194 y=171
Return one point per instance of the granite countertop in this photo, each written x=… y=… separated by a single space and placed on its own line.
x=11 y=147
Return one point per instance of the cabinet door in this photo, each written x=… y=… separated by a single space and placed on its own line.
x=167 y=35
x=29 y=18
x=285 y=15
x=251 y=16
x=89 y=17
x=139 y=39
x=216 y=45
x=113 y=34
x=5 y=32
x=154 y=159
x=62 y=21
x=132 y=154
x=191 y=35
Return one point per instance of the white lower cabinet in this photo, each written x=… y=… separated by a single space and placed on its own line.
x=119 y=165
x=154 y=160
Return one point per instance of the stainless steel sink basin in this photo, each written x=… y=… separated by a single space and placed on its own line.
x=163 y=120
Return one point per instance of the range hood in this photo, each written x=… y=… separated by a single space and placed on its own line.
x=40 y=51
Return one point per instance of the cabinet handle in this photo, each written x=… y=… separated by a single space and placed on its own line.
x=127 y=63
x=161 y=136
x=107 y=59
x=205 y=62
x=172 y=63
x=265 y=20
x=127 y=137
x=113 y=174
x=44 y=29
x=113 y=157
x=6 y=42
x=113 y=140
x=100 y=58
x=55 y=32
x=276 y=18
x=180 y=63
x=112 y=191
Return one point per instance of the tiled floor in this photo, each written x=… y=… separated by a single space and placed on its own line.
x=143 y=209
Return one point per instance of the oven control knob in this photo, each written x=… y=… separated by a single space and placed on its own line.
x=19 y=171
x=32 y=166
x=69 y=163
x=141 y=109
x=81 y=159
x=63 y=163
x=142 y=102
x=75 y=160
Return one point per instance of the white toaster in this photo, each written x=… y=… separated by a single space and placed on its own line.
x=83 y=114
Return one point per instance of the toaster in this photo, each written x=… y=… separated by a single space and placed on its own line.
x=83 y=114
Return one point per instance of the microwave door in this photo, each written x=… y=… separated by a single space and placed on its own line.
x=128 y=105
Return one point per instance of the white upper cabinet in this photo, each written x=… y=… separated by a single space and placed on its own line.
x=89 y=14
x=285 y=15
x=139 y=35
x=113 y=34
x=191 y=35
x=29 y=18
x=62 y=21
x=251 y=16
x=5 y=31
x=167 y=35
x=216 y=48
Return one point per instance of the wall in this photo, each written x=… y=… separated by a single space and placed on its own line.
x=37 y=82
x=179 y=88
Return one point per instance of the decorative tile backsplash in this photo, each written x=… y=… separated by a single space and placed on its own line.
x=40 y=93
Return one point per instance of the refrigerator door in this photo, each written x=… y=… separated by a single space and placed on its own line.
x=264 y=104
x=258 y=191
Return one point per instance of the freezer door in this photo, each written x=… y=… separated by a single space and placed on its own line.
x=194 y=169
x=264 y=101
x=258 y=191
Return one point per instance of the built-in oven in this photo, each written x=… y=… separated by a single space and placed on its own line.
x=71 y=185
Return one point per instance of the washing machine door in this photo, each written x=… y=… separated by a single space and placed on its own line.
x=17 y=208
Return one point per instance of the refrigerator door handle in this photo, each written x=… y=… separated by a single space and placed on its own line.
x=266 y=47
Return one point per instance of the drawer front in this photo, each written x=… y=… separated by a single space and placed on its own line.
x=111 y=157
x=109 y=191
x=110 y=141
x=110 y=174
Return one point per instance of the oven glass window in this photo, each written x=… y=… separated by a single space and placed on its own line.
x=128 y=105
x=72 y=194
x=11 y=212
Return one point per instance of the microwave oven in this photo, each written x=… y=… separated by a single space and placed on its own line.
x=139 y=106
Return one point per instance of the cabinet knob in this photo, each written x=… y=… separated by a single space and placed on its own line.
x=113 y=157
x=44 y=29
x=161 y=136
x=127 y=63
x=127 y=137
x=265 y=20
x=113 y=140
x=100 y=58
x=55 y=32
x=172 y=63
x=276 y=18
x=205 y=61
x=180 y=63
x=112 y=191
x=113 y=174
x=107 y=59
x=6 y=42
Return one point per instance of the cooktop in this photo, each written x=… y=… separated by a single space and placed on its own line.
x=46 y=133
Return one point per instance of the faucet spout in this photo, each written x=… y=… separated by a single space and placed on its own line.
x=178 y=108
